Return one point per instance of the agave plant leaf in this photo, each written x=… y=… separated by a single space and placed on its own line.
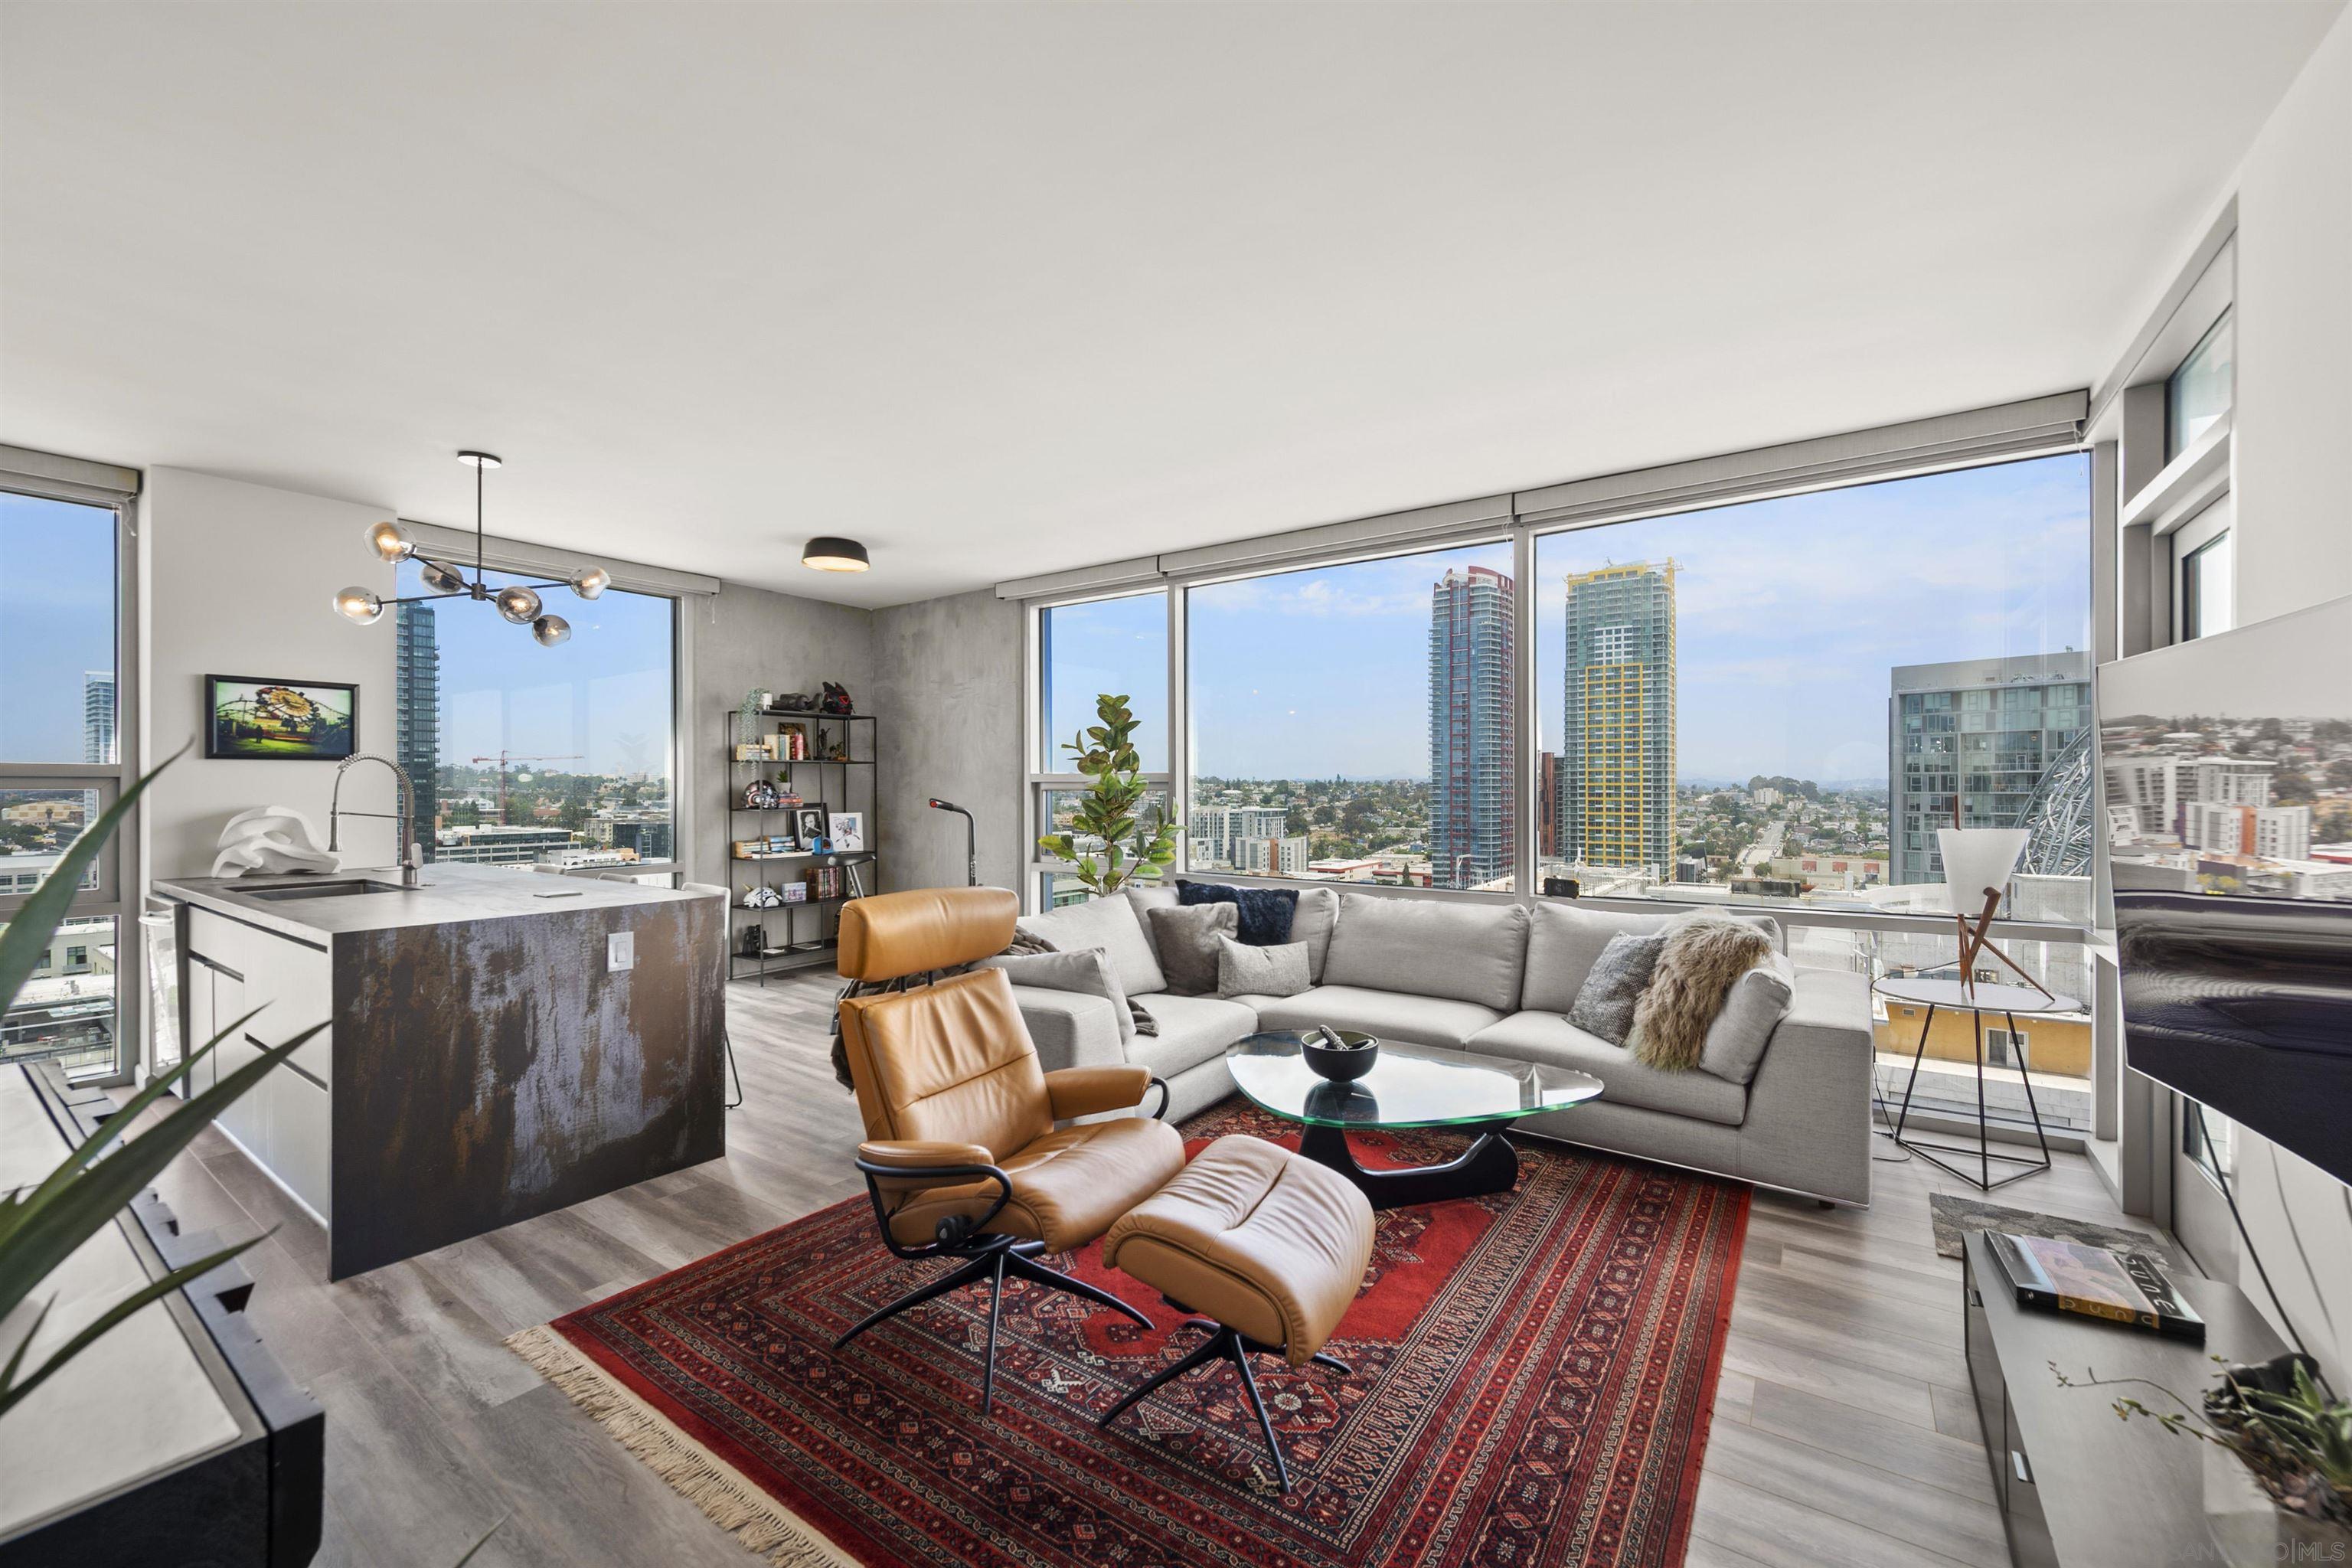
x=60 y=1216
x=14 y=1204
x=26 y=938
x=12 y=1390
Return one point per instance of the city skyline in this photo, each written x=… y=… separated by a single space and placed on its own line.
x=1783 y=665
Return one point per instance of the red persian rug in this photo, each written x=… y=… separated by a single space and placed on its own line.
x=1533 y=1377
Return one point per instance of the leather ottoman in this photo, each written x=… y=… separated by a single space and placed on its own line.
x=1269 y=1247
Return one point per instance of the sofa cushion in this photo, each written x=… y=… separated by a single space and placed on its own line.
x=1187 y=939
x=1192 y=1030
x=1243 y=969
x=1391 y=1015
x=1547 y=1038
x=1146 y=897
x=1606 y=1001
x=1265 y=912
x=1564 y=938
x=1110 y=924
x=1088 y=970
x=1429 y=947
x=1312 y=923
x=1759 y=1001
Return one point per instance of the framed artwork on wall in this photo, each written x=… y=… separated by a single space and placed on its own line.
x=847 y=831
x=256 y=719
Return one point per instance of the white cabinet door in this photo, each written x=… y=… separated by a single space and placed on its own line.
x=297 y=1112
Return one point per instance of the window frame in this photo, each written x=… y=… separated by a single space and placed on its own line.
x=1977 y=438
x=538 y=561
x=122 y=865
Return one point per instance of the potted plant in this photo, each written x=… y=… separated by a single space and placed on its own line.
x=41 y=1226
x=2278 y=1477
x=1137 y=841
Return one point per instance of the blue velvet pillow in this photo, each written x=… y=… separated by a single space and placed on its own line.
x=1265 y=912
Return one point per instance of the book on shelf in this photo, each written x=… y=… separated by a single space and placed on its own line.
x=2053 y=1276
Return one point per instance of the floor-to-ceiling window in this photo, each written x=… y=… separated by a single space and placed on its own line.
x=1085 y=651
x=61 y=758
x=529 y=755
x=1358 y=721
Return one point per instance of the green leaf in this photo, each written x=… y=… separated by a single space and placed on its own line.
x=153 y=1290
x=63 y=1216
x=27 y=939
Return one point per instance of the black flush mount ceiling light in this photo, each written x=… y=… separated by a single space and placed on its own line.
x=518 y=602
x=828 y=553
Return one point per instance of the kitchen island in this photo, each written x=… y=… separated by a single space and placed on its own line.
x=500 y=1044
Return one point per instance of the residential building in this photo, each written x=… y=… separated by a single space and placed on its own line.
x=2268 y=832
x=417 y=712
x=1617 y=751
x=98 y=716
x=1548 y=806
x=495 y=845
x=1217 y=832
x=1986 y=730
x=1471 y=797
x=1272 y=856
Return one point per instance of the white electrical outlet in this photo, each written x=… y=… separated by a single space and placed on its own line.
x=620 y=952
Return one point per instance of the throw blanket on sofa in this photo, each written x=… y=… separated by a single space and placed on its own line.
x=1703 y=960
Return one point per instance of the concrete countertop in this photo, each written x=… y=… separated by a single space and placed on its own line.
x=451 y=895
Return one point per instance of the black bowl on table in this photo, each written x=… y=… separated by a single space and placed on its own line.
x=1340 y=1055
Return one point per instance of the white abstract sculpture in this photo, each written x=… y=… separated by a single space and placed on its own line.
x=272 y=839
x=1978 y=865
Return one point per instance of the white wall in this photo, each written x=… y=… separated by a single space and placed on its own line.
x=2292 y=478
x=238 y=579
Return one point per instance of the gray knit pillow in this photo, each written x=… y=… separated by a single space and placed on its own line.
x=1604 y=1007
x=1187 y=940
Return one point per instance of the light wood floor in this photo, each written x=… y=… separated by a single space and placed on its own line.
x=1843 y=1432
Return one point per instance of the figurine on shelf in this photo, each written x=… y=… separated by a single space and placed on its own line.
x=836 y=699
x=760 y=795
x=754 y=941
x=763 y=898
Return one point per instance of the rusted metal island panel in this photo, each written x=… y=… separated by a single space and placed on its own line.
x=489 y=1061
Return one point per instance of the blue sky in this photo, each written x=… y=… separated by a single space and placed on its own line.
x=1789 y=615
x=56 y=620
x=605 y=694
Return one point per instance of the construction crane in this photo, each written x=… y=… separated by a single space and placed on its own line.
x=502 y=759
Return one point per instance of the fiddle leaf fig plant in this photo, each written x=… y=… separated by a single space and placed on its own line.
x=42 y=1226
x=1136 y=840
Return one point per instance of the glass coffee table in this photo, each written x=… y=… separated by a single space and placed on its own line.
x=1409 y=1086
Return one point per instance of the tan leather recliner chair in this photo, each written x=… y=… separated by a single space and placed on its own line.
x=963 y=1156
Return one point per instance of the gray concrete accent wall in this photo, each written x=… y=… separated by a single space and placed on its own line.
x=949 y=685
x=744 y=638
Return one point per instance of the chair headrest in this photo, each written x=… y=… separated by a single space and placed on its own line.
x=891 y=934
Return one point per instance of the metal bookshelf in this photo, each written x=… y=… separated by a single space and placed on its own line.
x=796 y=935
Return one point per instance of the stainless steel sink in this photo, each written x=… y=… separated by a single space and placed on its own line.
x=342 y=890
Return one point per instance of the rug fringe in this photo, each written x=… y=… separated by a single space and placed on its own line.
x=732 y=1504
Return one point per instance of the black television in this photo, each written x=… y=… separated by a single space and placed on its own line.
x=2226 y=797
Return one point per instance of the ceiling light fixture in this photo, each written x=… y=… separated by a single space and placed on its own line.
x=518 y=602
x=829 y=554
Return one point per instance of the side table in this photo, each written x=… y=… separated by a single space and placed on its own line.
x=1952 y=996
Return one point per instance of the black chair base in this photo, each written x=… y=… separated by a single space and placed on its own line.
x=1229 y=1344
x=997 y=1258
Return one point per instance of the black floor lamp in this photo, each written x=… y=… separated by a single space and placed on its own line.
x=970 y=839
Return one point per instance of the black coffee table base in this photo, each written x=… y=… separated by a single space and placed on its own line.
x=1488 y=1165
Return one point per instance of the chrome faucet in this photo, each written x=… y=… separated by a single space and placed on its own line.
x=404 y=803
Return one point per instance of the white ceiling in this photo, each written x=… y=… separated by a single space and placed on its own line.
x=1002 y=290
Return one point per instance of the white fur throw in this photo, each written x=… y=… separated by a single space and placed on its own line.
x=1703 y=960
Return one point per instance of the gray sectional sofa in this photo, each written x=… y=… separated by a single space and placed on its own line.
x=1498 y=979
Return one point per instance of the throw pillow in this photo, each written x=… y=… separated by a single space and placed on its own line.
x=1702 y=960
x=1312 y=922
x=1087 y=971
x=1187 y=940
x=1265 y=912
x=1024 y=943
x=1604 y=1004
x=1759 y=1001
x=1246 y=971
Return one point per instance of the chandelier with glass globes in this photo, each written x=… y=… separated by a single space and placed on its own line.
x=518 y=602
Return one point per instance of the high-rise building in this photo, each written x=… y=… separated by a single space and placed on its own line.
x=97 y=715
x=417 y=714
x=1271 y=857
x=1548 y=804
x=1217 y=832
x=1617 y=751
x=1471 y=795
x=1983 y=729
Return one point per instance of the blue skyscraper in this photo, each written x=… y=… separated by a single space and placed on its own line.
x=1471 y=797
